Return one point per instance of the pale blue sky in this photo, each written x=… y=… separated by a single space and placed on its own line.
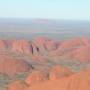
x=48 y=9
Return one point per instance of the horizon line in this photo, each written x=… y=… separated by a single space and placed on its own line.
x=23 y=18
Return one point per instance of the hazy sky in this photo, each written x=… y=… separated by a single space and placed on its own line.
x=50 y=9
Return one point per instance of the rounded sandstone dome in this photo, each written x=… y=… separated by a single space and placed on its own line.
x=36 y=77
x=18 y=85
x=3 y=44
x=78 y=81
x=11 y=66
x=22 y=46
x=59 y=72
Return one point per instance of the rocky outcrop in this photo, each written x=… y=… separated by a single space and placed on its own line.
x=22 y=46
x=41 y=55
x=18 y=85
x=78 y=81
x=11 y=66
x=3 y=44
x=42 y=48
x=36 y=77
x=58 y=72
x=45 y=45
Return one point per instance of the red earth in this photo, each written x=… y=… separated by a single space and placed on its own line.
x=45 y=62
x=11 y=66
x=78 y=81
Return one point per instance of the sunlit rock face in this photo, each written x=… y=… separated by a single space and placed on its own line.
x=45 y=45
x=3 y=45
x=44 y=64
x=11 y=66
x=65 y=80
x=36 y=77
x=18 y=85
x=42 y=48
x=74 y=49
x=78 y=81
x=22 y=46
x=58 y=72
x=82 y=54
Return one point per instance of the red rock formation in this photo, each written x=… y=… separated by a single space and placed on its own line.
x=36 y=77
x=82 y=53
x=45 y=44
x=77 y=49
x=51 y=45
x=18 y=85
x=11 y=66
x=59 y=72
x=86 y=41
x=3 y=44
x=71 y=43
x=79 y=81
x=74 y=43
x=40 y=43
x=41 y=49
x=22 y=46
